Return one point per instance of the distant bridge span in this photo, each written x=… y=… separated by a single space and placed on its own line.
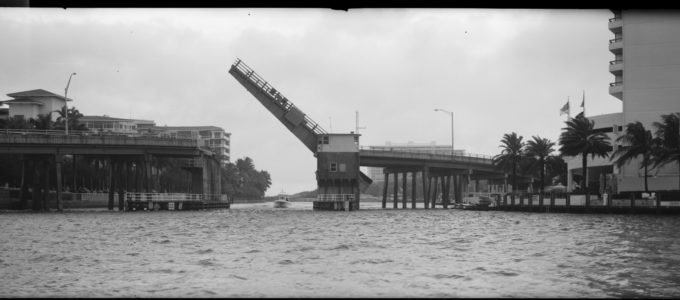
x=126 y=156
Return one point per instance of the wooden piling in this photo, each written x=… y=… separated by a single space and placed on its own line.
x=111 y=183
x=413 y=189
x=632 y=200
x=436 y=191
x=404 y=193
x=396 y=189
x=57 y=163
x=23 y=188
x=384 y=199
x=426 y=187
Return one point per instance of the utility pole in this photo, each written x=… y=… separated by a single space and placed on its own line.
x=66 y=102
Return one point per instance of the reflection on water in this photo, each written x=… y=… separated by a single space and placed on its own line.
x=253 y=250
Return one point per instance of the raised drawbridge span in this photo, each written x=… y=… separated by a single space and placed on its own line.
x=339 y=155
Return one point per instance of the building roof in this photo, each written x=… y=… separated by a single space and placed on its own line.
x=189 y=128
x=22 y=100
x=37 y=93
x=107 y=118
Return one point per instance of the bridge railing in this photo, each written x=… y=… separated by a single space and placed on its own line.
x=174 y=197
x=274 y=94
x=471 y=157
x=334 y=197
x=86 y=137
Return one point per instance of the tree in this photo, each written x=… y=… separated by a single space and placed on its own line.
x=510 y=156
x=43 y=122
x=668 y=135
x=637 y=141
x=539 y=149
x=15 y=123
x=580 y=138
x=73 y=116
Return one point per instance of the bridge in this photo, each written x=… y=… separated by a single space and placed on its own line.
x=445 y=172
x=42 y=153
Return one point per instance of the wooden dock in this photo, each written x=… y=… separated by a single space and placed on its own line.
x=582 y=203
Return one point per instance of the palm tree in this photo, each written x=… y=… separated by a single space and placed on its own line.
x=580 y=138
x=510 y=156
x=668 y=135
x=638 y=141
x=73 y=116
x=539 y=149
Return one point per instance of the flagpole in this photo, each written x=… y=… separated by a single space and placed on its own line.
x=583 y=103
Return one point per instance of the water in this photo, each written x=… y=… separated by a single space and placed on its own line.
x=253 y=250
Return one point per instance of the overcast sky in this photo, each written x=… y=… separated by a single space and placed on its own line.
x=498 y=71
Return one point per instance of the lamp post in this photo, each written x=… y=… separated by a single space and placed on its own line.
x=450 y=114
x=66 y=102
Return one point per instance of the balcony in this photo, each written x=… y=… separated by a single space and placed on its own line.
x=616 y=89
x=615 y=25
x=616 y=45
x=616 y=67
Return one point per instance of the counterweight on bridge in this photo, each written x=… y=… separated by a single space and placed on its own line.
x=304 y=128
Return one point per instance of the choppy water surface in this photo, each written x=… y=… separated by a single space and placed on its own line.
x=253 y=250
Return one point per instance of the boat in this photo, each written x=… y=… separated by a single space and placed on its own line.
x=474 y=202
x=282 y=202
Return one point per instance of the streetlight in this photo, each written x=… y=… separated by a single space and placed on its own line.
x=451 y=114
x=66 y=101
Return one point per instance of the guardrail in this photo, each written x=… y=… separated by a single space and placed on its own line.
x=274 y=94
x=334 y=197
x=175 y=197
x=476 y=158
x=59 y=137
x=615 y=40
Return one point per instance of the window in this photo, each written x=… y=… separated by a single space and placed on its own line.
x=334 y=167
x=325 y=140
x=343 y=167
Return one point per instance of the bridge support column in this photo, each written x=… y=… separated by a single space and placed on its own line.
x=23 y=188
x=121 y=183
x=396 y=189
x=58 y=159
x=384 y=199
x=434 y=195
x=148 y=179
x=404 y=190
x=35 y=194
x=74 y=166
x=447 y=184
x=112 y=181
x=413 y=190
x=426 y=187
x=46 y=185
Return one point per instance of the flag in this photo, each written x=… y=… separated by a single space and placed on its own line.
x=565 y=109
x=583 y=102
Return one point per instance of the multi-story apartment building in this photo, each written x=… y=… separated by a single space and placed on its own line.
x=646 y=70
x=212 y=137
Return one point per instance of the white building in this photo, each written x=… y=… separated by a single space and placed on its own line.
x=114 y=125
x=646 y=69
x=30 y=104
x=212 y=137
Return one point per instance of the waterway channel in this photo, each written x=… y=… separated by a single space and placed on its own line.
x=254 y=250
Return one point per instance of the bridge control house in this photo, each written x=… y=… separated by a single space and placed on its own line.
x=337 y=172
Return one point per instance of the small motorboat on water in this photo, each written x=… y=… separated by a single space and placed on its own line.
x=282 y=202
